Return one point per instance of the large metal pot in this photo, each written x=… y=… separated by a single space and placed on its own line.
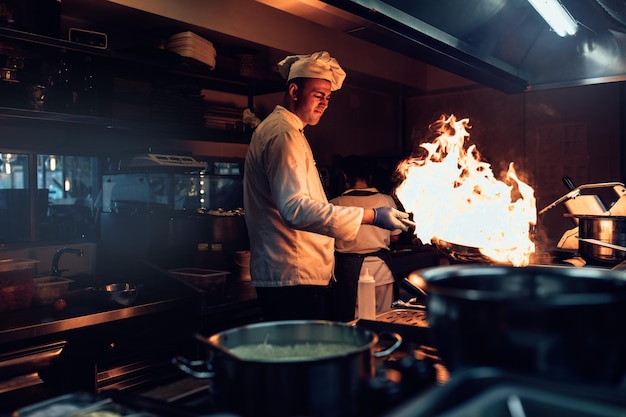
x=557 y=322
x=317 y=386
x=606 y=229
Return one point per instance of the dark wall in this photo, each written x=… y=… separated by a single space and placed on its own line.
x=357 y=121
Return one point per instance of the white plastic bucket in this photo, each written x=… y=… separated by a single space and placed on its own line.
x=242 y=259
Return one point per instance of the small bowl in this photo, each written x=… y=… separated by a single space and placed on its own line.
x=121 y=293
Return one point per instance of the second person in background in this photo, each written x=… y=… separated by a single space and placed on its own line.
x=369 y=250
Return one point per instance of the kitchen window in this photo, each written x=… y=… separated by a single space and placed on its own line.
x=60 y=197
x=69 y=186
x=14 y=198
x=48 y=197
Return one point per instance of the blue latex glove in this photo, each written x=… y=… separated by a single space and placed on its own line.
x=391 y=219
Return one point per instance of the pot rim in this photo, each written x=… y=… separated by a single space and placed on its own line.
x=436 y=277
x=213 y=340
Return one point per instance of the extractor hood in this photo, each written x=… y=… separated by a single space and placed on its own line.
x=503 y=44
x=157 y=162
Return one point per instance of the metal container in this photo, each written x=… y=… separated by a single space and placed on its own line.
x=49 y=289
x=121 y=293
x=326 y=386
x=558 y=322
x=607 y=229
x=211 y=282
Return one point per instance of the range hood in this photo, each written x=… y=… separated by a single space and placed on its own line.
x=503 y=44
x=158 y=162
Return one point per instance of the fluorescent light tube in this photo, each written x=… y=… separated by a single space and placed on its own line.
x=556 y=15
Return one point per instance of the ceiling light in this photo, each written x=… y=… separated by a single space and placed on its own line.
x=557 y=16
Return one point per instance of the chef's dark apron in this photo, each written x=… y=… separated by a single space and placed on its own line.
x=347 y=271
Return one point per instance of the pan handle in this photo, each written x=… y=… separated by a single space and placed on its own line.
x=604 y=244
x=200 y=369
x=392 y=348
x=568 y=183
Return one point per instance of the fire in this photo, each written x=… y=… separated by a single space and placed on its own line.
x=455 y=197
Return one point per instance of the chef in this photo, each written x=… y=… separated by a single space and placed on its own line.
x=291 y=225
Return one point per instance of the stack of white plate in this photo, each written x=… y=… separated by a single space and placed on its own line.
x=193 y=46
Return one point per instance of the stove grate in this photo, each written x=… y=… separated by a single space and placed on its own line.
x=407 y=317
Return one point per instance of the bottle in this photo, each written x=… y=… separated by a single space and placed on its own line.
x=366 y=296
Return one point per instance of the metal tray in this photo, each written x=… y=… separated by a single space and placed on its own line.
x=411 y=324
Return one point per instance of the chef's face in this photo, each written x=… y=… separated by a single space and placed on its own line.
x=311 y=100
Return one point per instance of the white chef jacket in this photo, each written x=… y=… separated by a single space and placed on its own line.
x=290 y=222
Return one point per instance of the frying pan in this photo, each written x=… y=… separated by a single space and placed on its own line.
x=460 y=253
x=468 y=254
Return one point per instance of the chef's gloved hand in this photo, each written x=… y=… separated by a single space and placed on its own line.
x=391 y=219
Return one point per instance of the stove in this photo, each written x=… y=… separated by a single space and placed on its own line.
x=401 y=375
x=410 y=382
x=498 y=393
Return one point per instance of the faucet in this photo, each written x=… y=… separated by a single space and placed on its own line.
x=55 y=260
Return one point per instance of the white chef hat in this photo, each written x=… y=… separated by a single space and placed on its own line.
x=315 y=65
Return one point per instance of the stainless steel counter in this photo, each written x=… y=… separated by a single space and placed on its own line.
x=94 y=344
x=44 y=320
x=84 y=311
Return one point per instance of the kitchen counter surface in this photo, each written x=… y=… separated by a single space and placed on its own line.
x=158 y=295
x=94 y=344
x=85 y=309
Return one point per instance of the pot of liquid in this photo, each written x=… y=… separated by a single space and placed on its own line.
x=289 y=368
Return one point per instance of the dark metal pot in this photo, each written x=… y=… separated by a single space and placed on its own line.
x=557 y=322
x=607 y=229
x=320 y=386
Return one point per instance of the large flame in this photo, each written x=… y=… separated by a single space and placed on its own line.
x=455 y=197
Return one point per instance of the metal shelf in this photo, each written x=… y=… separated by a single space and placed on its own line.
x=147 y=63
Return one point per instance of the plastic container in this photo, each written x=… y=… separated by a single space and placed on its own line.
x=16 y=283
x=49 y=289
x=366 y=296
x=210 y=281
